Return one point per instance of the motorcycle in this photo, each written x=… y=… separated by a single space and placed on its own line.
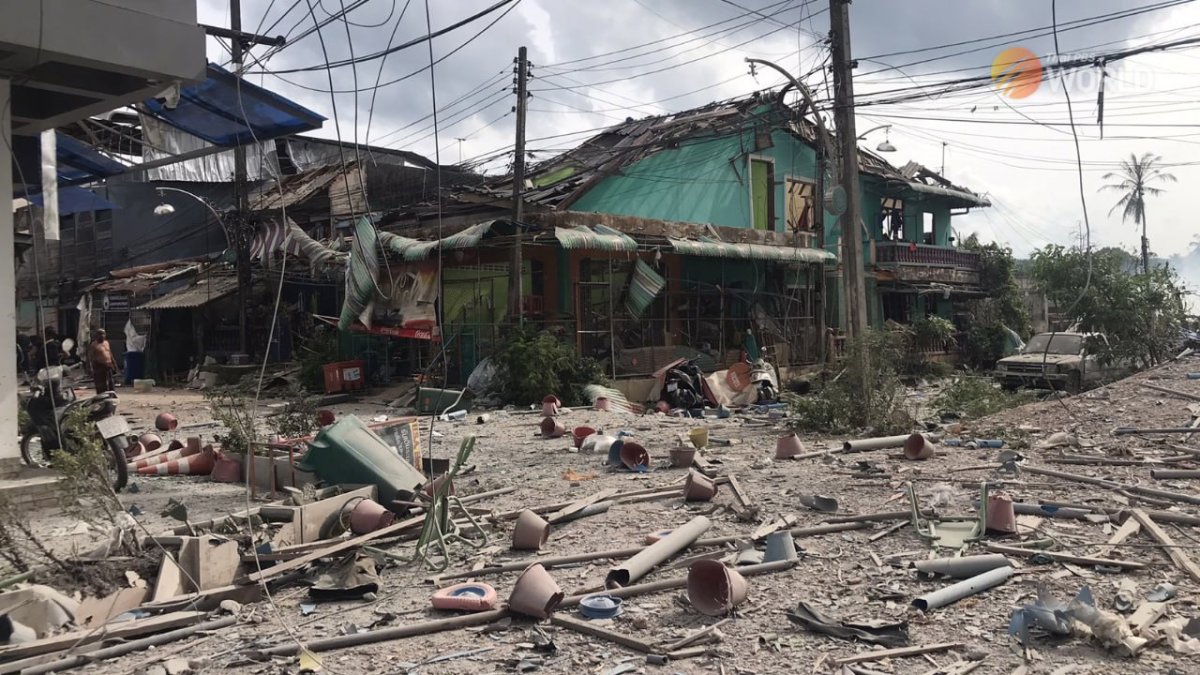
x=762 y=377
x=684 y=386
x=50 y=405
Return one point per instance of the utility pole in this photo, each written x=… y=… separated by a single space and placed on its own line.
x=241 y=200
x=237 y=221
x=515 y=281
x=843 y=82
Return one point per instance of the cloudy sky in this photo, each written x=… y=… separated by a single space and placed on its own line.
x=597 y=63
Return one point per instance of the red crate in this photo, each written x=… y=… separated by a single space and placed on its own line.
x=345 y=376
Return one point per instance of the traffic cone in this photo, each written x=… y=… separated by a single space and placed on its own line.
x=201 y=464
x=162 y=457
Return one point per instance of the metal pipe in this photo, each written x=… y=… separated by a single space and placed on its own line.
x=962 y=568
x=1119 y=515
x=965 y=588
x=1064 y=557
x=126 y=647
x=1174 y=473
x=881 y=443
x=385 y=634
x=1114 y=485
x=636 y=567
x=1047 y=511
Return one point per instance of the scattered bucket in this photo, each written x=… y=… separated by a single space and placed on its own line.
x=681 y=457
x=325 y=417
x=788 y=446
x=633 y=455
x=531 y=532
x=551 y=405
x=714 y=589
x=580 y=433
x=150 y=441
x=535 y=594
x=1001 y=515
x=699 y=437
x=469 y=597
x=699 y=488
x=369 y=515
x=917 y=446
x=780 y=546
x=552 y=428
x=602 y=403
x=165 y=422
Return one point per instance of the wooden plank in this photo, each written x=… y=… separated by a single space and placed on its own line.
x=95 y=612
x=205 y=600
x=1145 y=615
x=879 y=655
x=170 y=581
x=579 y=505
x=209 y=562
x=1177 y=555
x=119 y=630
x=593 y=630
x=1127 y=530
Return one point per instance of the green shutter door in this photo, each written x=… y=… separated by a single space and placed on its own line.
x=760 y=194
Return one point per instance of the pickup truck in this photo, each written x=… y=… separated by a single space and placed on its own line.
x=1058 y=361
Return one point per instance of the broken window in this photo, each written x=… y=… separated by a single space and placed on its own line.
x=927 y=236
x=799 y=201
x=891 y=218
x=762 y=200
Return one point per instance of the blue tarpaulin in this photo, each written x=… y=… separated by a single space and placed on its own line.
x=212 y=110
x=77 y=200
x=77 y=162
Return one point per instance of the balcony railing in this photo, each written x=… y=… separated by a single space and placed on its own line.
x=906 y=253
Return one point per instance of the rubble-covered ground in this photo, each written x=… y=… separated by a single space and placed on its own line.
x=843 y=574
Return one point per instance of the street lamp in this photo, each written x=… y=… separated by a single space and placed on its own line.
x=886 y=145
x=243 y=256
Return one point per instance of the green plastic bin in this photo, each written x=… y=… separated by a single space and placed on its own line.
x=349 y=452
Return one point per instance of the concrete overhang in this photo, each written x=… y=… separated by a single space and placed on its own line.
x=70 y=59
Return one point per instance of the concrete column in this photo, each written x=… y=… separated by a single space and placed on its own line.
x=10 y=451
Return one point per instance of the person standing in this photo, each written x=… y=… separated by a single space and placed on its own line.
x=100 y=359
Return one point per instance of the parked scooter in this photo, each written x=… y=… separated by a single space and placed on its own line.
x=762 y=377
x=684 y=386
x=52 y=401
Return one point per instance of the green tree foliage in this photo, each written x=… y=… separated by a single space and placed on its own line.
x=984 y=338
x=1141 y=314
x=1135 y=181
x=866 y=395
x=534 y=363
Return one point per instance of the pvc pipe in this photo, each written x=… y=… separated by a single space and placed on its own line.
x=636 y=567
x=384 y=634
x=679 y=582
x=962 y=568
x=1114 y=485
x=965 y=588
x=881 y=443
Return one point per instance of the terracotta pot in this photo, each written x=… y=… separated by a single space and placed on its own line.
x=788 y=446
x=552 y=428
x=699 y=437
x=535 y=594
x=602 y=403
x=551 y=398
x=470 y=597
x=150 y=441
x=1001 y=516
x=192 y=445
x=531 y=532
x=714 y=589
x=663 y=407
x=226 y=469
x=325 y=417
x=918 y=447
x=580 y=433
x=634 y=455
x=699 y=488
x=175 y=444
x=369 y=515
x=165 y=422
x=681 y=458
x=549 y=409
x=135 y=448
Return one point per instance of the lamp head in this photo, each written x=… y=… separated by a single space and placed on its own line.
x=164 y=209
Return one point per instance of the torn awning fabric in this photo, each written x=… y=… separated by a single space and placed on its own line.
x=361 y=274
x=228 y=111
x=594 y=238
x=715 y=248
x=419 y=249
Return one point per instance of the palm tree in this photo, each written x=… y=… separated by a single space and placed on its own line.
x=1135 y=181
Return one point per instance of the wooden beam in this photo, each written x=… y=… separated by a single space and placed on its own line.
x=579 y=505
x=1177 y=555
x=879 y=655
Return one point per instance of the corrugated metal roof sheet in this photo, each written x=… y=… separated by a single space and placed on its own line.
x=721 y=249
x=596 y=238
x=302 y=186
x=201 y=292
